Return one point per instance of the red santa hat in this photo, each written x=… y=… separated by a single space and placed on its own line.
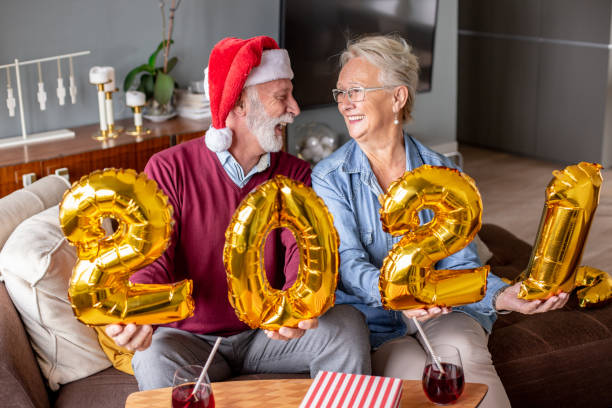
x=233 y=65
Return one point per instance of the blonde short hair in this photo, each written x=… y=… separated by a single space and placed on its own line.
x=394 y=57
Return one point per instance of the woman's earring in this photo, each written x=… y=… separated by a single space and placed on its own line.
x=396 y=121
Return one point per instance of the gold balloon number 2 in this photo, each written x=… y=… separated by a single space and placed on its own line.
x=99 y=290
x=281 y=203
x=407 y=278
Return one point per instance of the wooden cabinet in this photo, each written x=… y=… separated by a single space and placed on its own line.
x=11 y=176
x=82 y=154
x=188 y=136
x=148 y=148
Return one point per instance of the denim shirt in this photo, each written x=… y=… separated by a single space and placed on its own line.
x=346 y=183
x=234 y=169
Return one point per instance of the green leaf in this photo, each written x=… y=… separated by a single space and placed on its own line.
x=164 y=87
x=171 y=63
x=129 y=79
x=148 y=85
x=153 y=56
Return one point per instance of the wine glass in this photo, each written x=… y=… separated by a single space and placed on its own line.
x=184 y=394
x=443 y=380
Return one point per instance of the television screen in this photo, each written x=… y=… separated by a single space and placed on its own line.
x=314 y=32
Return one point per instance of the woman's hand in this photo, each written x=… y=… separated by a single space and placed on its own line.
x=508 y=300
x=426 y=314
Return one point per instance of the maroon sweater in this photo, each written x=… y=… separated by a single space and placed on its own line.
x=204 y=199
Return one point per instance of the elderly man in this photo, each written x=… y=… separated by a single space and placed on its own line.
x=250 y=92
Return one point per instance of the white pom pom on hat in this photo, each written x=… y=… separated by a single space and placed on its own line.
x=234 y=64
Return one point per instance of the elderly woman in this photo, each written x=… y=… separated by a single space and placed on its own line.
x=375 y=96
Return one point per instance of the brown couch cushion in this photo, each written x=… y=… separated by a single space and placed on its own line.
x=557 y=359
x=108 y=388
x=510 y=254
x=20 y=377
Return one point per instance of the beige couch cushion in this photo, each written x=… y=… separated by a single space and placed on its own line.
x=36 y=263
x=28 y=201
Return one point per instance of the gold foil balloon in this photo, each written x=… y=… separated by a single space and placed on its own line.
x=99 y=290
x=599 y=284
x=571 y=199
x=278 y=203
x=407 y=278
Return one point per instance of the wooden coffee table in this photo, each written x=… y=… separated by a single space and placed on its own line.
x=289 y=394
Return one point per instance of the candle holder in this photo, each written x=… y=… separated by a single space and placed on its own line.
x=138 y=130
x=136 y=100
x=113 y=130
x=103 y=133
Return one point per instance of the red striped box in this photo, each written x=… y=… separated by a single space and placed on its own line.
x=339 y=390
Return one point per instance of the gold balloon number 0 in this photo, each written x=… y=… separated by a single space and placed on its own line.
x=281 y=203
x=572 y=197
x=407 y=278
x=99 y=290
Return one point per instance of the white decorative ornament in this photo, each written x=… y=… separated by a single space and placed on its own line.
x=10 y=102
x=42 y=96
x=61 y=91
x=316 y=141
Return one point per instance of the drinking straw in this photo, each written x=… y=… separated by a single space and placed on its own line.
x=426 y=341
x=205 y=369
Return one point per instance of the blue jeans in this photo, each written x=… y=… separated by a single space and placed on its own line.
x=340 y=343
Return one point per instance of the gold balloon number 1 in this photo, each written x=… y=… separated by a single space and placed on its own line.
x=99 y=290
x=571 y=200
x=407 y=278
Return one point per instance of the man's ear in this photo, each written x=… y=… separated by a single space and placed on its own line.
x=240 y=107
x=400 y=96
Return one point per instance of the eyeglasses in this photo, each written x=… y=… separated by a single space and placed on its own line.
x=355 y=94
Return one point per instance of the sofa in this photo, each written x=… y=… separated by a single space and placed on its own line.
x=560 y=358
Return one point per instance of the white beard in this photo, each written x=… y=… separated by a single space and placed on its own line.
x=262 y=125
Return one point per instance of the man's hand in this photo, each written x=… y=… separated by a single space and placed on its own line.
x=507 y=300
x=288 y=333
x=426 y=314
x=132 y=337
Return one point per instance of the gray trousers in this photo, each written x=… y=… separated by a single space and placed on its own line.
x=340 y=343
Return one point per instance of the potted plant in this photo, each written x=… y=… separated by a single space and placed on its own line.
x=156 y=81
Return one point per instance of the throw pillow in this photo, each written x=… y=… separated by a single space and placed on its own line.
x=36 y=263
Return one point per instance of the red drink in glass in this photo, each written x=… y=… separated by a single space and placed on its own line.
x=184 y=397
x=443 y=388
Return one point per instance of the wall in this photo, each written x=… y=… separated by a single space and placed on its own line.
x=124 y=33
x=435 y=112
x=119 y=33
x=534 y=78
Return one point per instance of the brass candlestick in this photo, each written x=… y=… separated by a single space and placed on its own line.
x=138 y=130
x=113 y=131
x=103 y=133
